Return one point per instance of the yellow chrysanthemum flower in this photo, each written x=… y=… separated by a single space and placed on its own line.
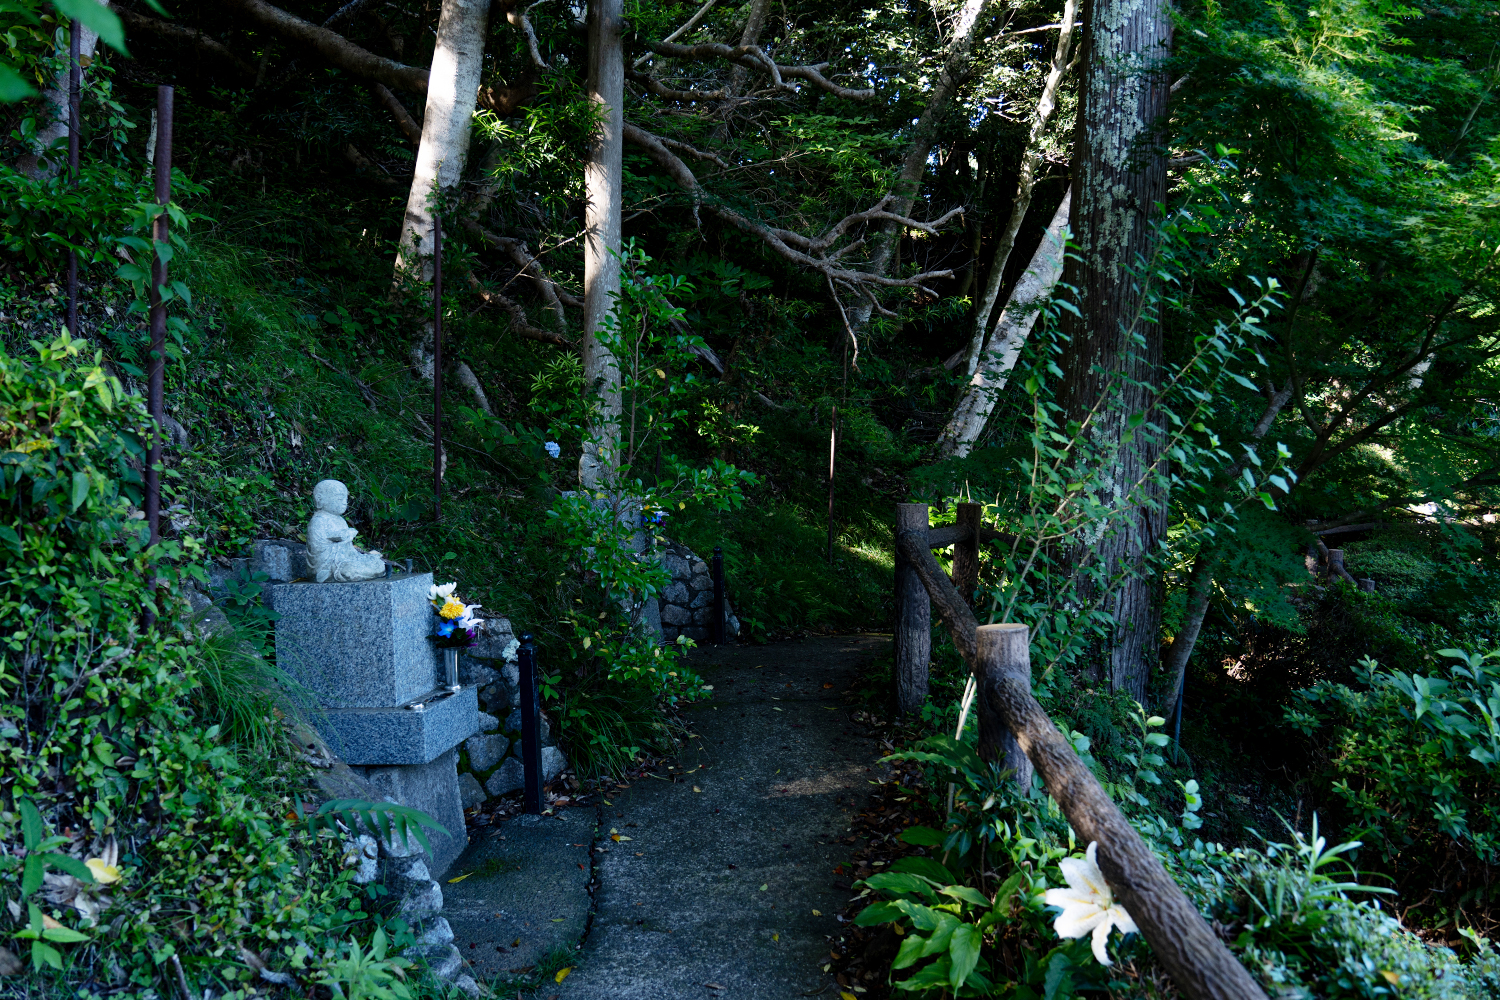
x=451 y=609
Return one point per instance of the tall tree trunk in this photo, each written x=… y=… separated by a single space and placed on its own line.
x=37 y=163
x=1030 y=160
x=914 y=164
x=452 y=85
x=1000 y=355
x=1120 y=175
x=601 y=261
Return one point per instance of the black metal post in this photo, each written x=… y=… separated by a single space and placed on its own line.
x=716 y=632
x=156 y=360
x=437 y=368
x=75 y=87
x=531 y=716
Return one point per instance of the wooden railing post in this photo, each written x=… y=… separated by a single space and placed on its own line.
x=1196 y=959
x=1006 y=649
x=966 y=550
x=1200 y=964
x=913 y=619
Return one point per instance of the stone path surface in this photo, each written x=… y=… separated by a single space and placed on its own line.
x=725 y=886
x=520 y=892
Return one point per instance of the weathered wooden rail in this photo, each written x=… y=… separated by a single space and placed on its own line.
x=1013 y=726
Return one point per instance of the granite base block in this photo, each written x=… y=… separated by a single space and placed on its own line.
x=357 y=645
x=433 y=788
x=399 y=735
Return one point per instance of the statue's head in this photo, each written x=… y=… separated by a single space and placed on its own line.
x=332 y=496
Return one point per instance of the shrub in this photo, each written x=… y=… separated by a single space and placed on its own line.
x=1412 y=764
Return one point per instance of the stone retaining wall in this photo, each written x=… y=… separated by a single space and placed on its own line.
x=688 y=600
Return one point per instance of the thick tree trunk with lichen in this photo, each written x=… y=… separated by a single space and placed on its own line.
x=1119 y=176
x=452 y=85
x=601 y=262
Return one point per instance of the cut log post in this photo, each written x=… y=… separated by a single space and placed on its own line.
x=1336 y=567
x=913 y=619
x=1200 y=964
x=966 y=551
x=1006 y=649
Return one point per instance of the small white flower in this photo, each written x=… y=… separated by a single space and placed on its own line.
x=553 y=448
x=439 y=593
x=1087 y=904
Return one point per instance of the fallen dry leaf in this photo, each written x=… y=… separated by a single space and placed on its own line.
x=562 y=973
x=697 y=789
x=817 y=913
x=460 y=878
x=10 y=965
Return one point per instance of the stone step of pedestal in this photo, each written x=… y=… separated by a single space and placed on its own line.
x=400 y=735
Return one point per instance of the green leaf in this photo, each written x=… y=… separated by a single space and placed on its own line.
x=963 y=951
x=925 y=867
x=1266 y=499
x=12 y=86
x=900 y=882
x=922 y=836
x=911 y=950
x=80 y=489
x=31 y=876
x=71 y=865
x=64 y=935
x=45 y=954
x=878 y=913
x=967 y=894
x=101 y=20
x=32 y=830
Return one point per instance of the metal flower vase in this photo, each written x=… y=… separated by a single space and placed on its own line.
x=450 y=668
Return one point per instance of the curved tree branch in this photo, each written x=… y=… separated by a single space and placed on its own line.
x=179 y=34
x=754 y=57
x=785 y=242
x=404 y=121
x=335 y=48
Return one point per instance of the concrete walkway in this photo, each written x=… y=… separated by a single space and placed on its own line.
x=721 y=882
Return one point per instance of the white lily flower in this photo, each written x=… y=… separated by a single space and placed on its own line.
x=468 y=621
x=1087 y=904
x=440 y=592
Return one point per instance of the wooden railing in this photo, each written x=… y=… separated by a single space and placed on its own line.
x=1012 y=723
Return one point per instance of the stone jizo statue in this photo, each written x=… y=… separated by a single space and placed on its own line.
x=331 y=554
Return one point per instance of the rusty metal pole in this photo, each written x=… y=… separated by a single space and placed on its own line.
x=156 y=360
x=437 y=367
x=75 y=87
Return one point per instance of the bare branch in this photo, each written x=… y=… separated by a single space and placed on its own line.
x=518 y=321
x=683 y=147
x=335 y=48
x=783 y=241
x=345 y=12
x=179 y=34
x=529 y=266
x=404 y=121
x=754 y=57
x=371 y=170
x=692 y=22
x=517 y=17
x=660 y=89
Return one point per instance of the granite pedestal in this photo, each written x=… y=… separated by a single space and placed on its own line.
x=362 y=649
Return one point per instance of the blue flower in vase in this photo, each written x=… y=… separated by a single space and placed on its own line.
x=445 y=629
